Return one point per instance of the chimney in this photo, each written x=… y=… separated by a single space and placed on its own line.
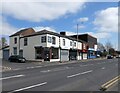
x=63 y=33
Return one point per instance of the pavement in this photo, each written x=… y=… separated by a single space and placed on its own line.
x=75 y=76
x=7 y=66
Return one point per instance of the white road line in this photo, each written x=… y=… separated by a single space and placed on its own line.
x=28 y=87
x=79 y=74
x=44 y=71
x=12 y=77
x=30 y=67
x=103 y=68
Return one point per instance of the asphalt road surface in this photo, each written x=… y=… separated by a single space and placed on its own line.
x=78 y=76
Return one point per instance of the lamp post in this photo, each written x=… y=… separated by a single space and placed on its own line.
x=77 y=41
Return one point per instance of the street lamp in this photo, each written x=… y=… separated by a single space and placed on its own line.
x=77 y=41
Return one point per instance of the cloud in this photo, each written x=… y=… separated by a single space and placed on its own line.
x=40 y=11
x=79 y=26
x=83 y=19
x=107 y=20
x=6 y=28
x=39 y=28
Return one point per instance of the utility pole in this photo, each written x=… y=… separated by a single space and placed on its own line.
x=77 y=41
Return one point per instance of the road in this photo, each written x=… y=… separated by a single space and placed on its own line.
x=78 y=76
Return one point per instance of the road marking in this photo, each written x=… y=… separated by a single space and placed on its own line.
x=30 y=67
x=103 y=68
x=79 y=74
x=12 y=77
x=110 y=83
x=28 y=87
x=44 y=71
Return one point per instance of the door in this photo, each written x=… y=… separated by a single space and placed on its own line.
x=21 y=53
x=46 y=54
x=5 y=54
x=64 y=55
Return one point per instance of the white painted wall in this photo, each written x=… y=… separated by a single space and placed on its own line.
x=29 y=50
x=76 y=47
x=95 y=47
x=14 y=45
x=50 y=44
x=67 y=43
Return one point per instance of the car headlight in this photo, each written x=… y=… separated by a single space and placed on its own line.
x=22 y=59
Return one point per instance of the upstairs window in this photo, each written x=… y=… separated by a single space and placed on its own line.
x=63 y=42
x=49 y=39
x=53 y=40
x=43 y=39
x=74 y=44
x=25 y=42
x=15 y=40
x=70 y=43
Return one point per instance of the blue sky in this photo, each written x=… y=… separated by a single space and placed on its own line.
x=96 y=18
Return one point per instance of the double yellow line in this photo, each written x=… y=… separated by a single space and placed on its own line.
x=109 y=83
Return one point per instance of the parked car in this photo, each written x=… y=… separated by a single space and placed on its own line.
x=109 y=57
x=17 y=58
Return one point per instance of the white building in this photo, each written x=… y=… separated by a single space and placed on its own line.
x=44 y=46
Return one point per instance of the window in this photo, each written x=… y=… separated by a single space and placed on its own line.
x=53 y=40
x=49 y=39
x=63 y=42
x=25 y=41
x=15 y=40
x=55 y=53
x=70 y=43
x=43 y=39
x=74 y=44
x=15 y=50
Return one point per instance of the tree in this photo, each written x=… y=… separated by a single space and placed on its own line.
x=101 y=47
x=3 y=42
x=108 y=45
x=112 y=51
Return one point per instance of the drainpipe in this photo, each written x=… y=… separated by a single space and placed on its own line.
x=19 y=46
x=60 y=49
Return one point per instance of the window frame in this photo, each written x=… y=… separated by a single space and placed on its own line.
x=74 y=44
x=25 y=41
x=43 y=39
x=71 y=43
x=49 y=39
x=15 y=40
x=63 y=42
x=53 y=40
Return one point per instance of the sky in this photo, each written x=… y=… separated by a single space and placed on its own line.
x=99 y=19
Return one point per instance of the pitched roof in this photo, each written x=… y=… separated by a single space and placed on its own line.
x=42 y=32
x=21 y=31
x=51 y=33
